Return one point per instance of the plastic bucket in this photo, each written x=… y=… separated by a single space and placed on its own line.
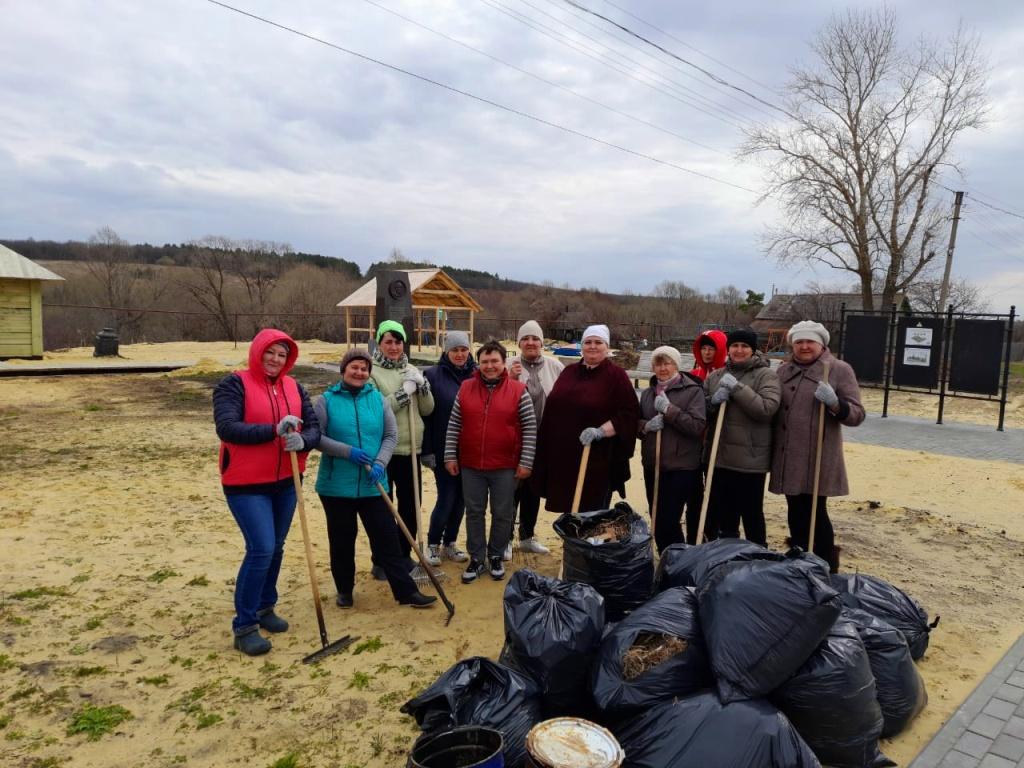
x=571 y=742
x=468 y=746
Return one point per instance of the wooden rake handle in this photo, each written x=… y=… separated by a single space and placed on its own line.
x=309 y=548
x=711 y=472
x=817 y=467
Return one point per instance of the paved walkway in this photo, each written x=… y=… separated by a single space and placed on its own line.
x=971 y=441
x=988 y=729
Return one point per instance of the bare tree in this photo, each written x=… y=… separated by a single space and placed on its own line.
x=214 y=261
x=925 y=295
x=120 y=281
x=856 y=165
x=258 y=264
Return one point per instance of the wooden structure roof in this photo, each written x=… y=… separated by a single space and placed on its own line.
x=21 y=305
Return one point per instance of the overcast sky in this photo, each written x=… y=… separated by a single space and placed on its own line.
x=169 y=121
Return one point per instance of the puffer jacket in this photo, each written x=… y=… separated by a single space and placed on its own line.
x=445 y=380
x=685 y=421
x=746 y=441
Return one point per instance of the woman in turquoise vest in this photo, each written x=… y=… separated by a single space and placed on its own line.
x=358 y=437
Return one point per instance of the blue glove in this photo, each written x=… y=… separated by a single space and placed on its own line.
x=729 y=382
x=293 y=442
x=377 y=473
x=591 y=435
x=655 y=424
x=359 y=456
x=289 y=424
x=661 y=403
x=827 y=395
x=720 y=396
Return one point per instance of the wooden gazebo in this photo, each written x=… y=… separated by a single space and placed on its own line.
x=439 y=304
x=21 y=305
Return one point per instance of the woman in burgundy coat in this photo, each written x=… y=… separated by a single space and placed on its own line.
x=593 y=402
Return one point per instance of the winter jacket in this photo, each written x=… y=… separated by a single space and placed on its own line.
x=685 y=421
x=700 y=370
x=745 y=444
x=247 y=407
x=796 y=428
x=539 y=377
x=364 y=420
x=492 y=425
x=445 y=380
x=388 y=378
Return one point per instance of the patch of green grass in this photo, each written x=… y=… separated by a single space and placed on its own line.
x=6 y=663
x=89 y=671
x=199 y=581
x=78 y=649
x=162 y=575
x=250 y=692
x=93 y=622
x=46 y=762
x=22 y=693
x=157 y=680
x=377 y=744
x=206 y=719
x=94 y=722
x=388 y=700
x=185 y=661
x=18 y=621
x=94 y=407
x=36 y=592
x=360 y=681
x=291 y=760
x=370 y=645
x=5 y=720
x=82 y=577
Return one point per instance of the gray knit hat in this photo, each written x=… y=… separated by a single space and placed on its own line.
x=455 y=339
x=808 y=329
x=356 y=353
x=530 y=328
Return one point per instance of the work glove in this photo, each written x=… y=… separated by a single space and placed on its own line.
x=661 y=403
x=655 y=424
x=428 y=460
x=409 y=387
x=591 y=435
x=827 y=395
x=729 y=382
x=359 y=456
x=720 y=396
x=289 y=424
x=412 y=373
x=293 y=442
x=377 y=473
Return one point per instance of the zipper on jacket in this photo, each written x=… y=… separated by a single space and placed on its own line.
x=359 y=437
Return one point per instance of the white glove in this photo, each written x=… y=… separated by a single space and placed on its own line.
x=827 y=395
x=289 y=424
x=661 y=403
x=591 y=435
x=655 y=424
x=409 y=387
x=293 y=442
x=729 y=382
x=412 y=373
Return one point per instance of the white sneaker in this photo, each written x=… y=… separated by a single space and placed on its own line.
x=507 y=554
x=434 y=554
x=456 y=555
x=533 y=546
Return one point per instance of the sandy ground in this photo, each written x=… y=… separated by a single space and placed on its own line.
x=120 y=555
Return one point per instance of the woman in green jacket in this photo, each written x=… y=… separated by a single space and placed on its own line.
x=358 y=436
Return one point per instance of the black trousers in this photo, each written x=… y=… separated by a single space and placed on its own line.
x=693 y=505
x=674 y=488
x=799 y=516
x=737 y=496
x=400 y=473
x=527 y=508
x=380 y=529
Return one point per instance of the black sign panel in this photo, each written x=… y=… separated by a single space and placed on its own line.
x=864 y=344
x=394 y=302
x=977 y=356
x=918 y=349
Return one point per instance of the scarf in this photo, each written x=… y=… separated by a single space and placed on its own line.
x=660 y=387
x=384 y=362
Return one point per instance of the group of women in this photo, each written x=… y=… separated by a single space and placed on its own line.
x=384 y=415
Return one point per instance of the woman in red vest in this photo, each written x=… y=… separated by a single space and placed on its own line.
x=261 y=414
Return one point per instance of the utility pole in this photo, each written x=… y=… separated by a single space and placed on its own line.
x=944 y=292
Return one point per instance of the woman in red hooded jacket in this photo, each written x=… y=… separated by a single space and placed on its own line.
x=709 y=353
x=261 y=414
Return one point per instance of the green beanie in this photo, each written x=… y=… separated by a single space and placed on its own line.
x=390 y=325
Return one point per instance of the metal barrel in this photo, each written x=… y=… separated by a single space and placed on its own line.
x=571 y=742
x=468 y=746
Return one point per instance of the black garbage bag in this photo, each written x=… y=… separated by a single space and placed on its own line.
x=701 y=731
x=622 y=570
x=666 y=627
x=898 y=685
x=888 y=603
x=476 y=691
x=762 y=619
x=831 y=702
x=687 y=565
x=553 y=629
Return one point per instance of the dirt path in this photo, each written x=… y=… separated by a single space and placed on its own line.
x=120 y=555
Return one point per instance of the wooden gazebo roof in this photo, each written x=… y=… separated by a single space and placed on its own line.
x=431 y=289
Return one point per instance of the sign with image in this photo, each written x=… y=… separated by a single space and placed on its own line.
x=918 y=337
x=917 y=356
x=916 y=363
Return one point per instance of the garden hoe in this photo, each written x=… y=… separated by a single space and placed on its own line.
x=328 y=647
x=419 y=553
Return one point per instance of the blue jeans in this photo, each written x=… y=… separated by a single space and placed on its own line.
x=446 y=518
x=264 y=520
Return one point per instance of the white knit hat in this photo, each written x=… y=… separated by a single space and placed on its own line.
x=530 y=328
x=600 y=331
x=808 y=329
x=670 y=352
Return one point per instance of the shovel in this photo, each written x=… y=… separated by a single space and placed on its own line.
x=419 y=554
x=817 y=466
x=711 y=473
x=328 y=648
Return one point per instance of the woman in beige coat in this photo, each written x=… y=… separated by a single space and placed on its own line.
x=804 y=389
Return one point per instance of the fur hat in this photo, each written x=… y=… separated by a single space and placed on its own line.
x=356 y=353
x=600 y=331
x=530 y=328
x=743 y=336
x=390 y=326
x=808 y=329
x=670 y=352
x=455 y=339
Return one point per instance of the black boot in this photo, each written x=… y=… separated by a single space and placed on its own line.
x=833 y=562
x=418 y=600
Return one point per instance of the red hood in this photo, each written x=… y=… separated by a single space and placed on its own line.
x=264 y=339
x=721 y=349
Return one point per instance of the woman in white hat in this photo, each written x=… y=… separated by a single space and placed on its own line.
x=804 y=389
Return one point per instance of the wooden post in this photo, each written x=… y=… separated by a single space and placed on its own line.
x=472 y=314
x=348 y=328
x=437 y=330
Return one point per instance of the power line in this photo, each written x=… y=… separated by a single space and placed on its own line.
x=702 y=70
x=977 y=199
x=544 y=80
x=481 y=99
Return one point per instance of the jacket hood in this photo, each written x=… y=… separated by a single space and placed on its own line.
x=264 y=339
x=721 y=349
x=460 y=373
